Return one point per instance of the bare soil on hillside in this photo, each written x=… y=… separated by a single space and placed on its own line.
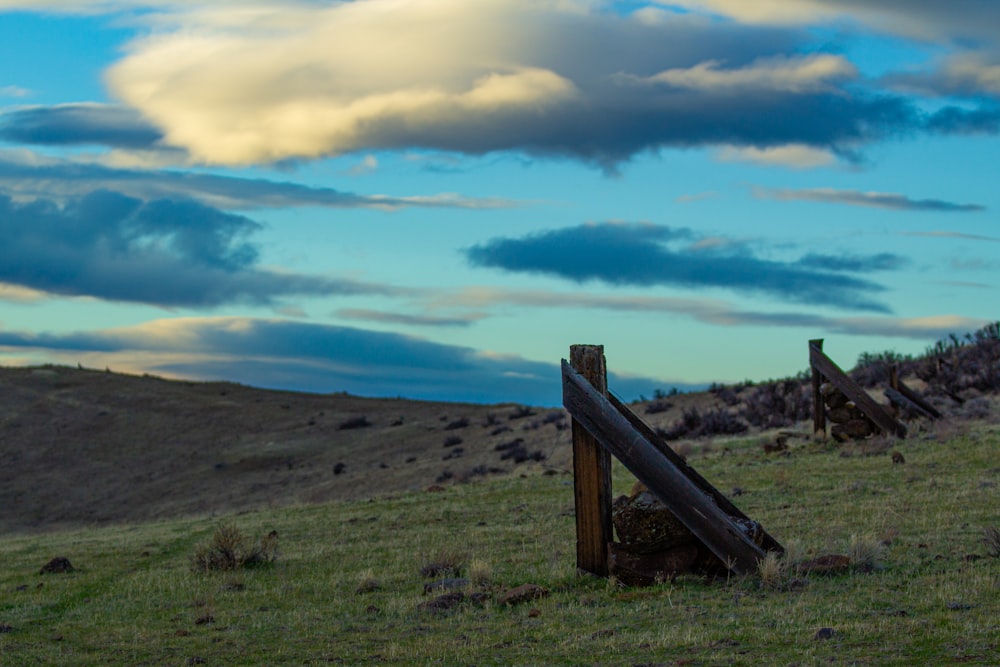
x=83 y=447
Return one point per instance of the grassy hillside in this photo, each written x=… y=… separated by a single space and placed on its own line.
x=347 y=584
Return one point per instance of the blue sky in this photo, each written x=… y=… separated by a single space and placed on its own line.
x=435 y=198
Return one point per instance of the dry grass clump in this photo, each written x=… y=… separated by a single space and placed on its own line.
x=445 y=563
x=480 y=572
x=772 y=570
x=865 y=552
x=229 y=549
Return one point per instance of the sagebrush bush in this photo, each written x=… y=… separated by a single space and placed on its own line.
x=229 y=549
x=694 y=424
x=777 y=404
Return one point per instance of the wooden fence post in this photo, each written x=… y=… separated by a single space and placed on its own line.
x=819 y=408
x=591 y=472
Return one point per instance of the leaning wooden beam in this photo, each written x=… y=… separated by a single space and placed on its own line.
x=726 y=505
x=925 y=408
x=831 y=371
x=692 y=506
x=903 y=401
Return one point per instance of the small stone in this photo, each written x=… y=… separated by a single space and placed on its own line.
x=442 y=603
x=522 y=593
x=824 y=633
x=57 y=566
x=826 y=565
x=449 y=584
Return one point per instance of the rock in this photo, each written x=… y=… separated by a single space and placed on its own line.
x=826 y=565
x=522 y=593
x=645 y=524
x=449 y=584
x=855 y=429
x=57 y=566
x=442 y=603
x=647 y=569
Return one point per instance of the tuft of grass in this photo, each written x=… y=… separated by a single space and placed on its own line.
x=480 y=572
x=772 y=571
x=446 y=562
x=229 y=549
x=866 y=552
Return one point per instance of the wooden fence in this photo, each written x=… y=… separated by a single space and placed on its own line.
x=603 y=426
x=825 y=370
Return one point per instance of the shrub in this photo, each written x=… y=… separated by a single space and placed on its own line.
x=777 y=404
x=520 y=412
x=230 y=549
x=457 y=424
x=658 y=406
x=694 y=424
x=354 y=422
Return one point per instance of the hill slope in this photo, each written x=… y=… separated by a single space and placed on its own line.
x=88 y=447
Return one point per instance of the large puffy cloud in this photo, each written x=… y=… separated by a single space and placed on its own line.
x=556 y=77
x=923 y=19
x=163 y=252
x=649 y=255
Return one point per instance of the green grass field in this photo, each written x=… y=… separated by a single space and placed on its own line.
x=346 y=586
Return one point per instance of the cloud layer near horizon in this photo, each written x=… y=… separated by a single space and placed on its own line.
x=322 y=358
x=316 y=358
x=648 y=255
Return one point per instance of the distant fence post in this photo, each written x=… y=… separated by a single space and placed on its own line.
x=591 y=472
x=819 y=411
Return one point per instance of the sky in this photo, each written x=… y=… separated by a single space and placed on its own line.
x=435 y=199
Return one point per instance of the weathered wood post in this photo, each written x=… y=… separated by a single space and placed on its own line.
x=819 y=409
x=591 y=472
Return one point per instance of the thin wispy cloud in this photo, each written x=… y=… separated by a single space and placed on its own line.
x=14 y=91
x=885 y=200
x=648 y=255
x=941 y=234
x=383 y=317
x=55 y=179
x=708 y=311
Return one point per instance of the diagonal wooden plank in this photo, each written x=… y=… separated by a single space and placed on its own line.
x=691 y=505
x=727 y=506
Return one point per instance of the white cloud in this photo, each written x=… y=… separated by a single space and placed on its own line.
x=798 y=156
x=794 y=74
